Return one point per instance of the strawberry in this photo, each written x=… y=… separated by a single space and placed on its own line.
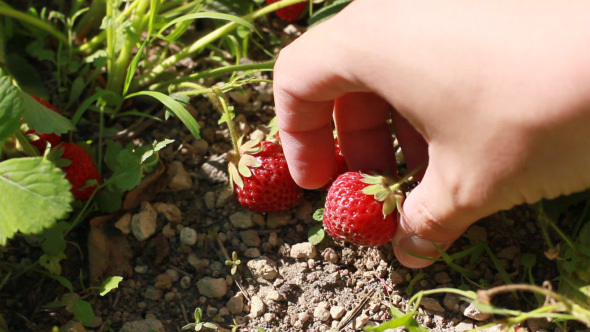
x=79 y=169
x=261 y=178
x=52 y=138
x=290 y=13
x=361 y=208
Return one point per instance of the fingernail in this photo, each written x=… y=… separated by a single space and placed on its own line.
x=416 y=245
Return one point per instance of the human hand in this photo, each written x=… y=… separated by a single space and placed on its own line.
x=494 y=94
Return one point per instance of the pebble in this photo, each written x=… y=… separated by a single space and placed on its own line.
x=188 y=236
x=321 y=312
x=252 y=253
x=452 y=302
x=303 y=250
x=431 y=304
x=235 y=304
x=124 y=224
x=442 y=278
x=178 y=177
x=276 y=220
x=536 y=324
x=141 y=269
x=330 y=255
x=241 y=220
x=215 y=169
x=224 y=196
x=173 y=274
x=169 y=296
x=168 y=231
x=257 y=307
x=212 y=287
x=337 y=312
x=170 y=211
x=476 y=233
x=72 y=326
x=143 y=325
x=200 y=146
x=464 y=326
x=250 y=238
x=509 y=252
x=152 y=293
x=163 y=281
x=143 y=224
x=273 y=240
x=185 y=282
x=263 y=267
x=472 y=312
x=209 y=199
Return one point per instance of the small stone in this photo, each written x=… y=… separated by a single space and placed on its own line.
x=178 y=177
x=124 y=224
x=188 y=236
x=442 y=278
x=337 y=312
x=509 y=253
x=224 y=196
x=141 y=269
x=185 y=282
x=304 y=211
x=302 y=317
x=361 y=321
x=257 y=307
x=537 y=324
x=212 y=287
x=241 y=220
x=209 y=199
x=200 y=146
x=163 y=281
x=211 y=311
x=276 y=220
x=143 y=325
x=330 y=255
x=303 y=250
x=274 y=295
x=143 y=224
x=431 y=304
x=452 y=302
x=273 y=240
x=269 y=317
x=252 y=253
x=170 y=211
x=258 y=219
x=250 y=238
x=72 y=326
x=168 y=231
x=152 y=293
x=477 y=233
x=173 y=274
x=321 y=312
x=169 y=296
x=472 y=312
x=263 y=267
x=235 y=305
x=464 y=326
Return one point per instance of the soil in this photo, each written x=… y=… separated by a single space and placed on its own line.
x=283 y=282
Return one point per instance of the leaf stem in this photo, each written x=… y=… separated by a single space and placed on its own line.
x=229 y=121
x=34 y=21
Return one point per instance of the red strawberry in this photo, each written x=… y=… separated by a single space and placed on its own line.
x=52 y=138
x=79 y=168
x=290 y=13
x=261 y=179
x=361 y=208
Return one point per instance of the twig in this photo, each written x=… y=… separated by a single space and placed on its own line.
x=184 y=315
x=356 y=311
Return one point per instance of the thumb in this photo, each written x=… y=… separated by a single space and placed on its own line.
x=431 y=216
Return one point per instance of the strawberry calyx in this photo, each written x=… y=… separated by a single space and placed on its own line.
x=240 y=164
x=384 y=189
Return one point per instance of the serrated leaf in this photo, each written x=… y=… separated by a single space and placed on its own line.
x=10 y=108
x=109 y=284
x=109 y=199
x=51 y=262
x=42 y=119
x=26 y=180
x=83 y=312
x=54 y=242
x=316 y=234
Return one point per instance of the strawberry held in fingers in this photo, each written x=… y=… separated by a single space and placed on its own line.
x=79 y=168
x=361 y=208
x=261 y=178
x=290 y=13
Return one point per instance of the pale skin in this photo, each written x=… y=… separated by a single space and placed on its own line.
x=494 y=95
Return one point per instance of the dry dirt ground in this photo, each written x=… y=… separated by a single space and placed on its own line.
x=171 y=241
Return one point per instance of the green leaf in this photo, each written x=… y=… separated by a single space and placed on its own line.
x=318 y=215
x=198 y=314
x=326 y=12
x=212 y=15
x=83 y=312
x=176 y=107
x=26 y=180
x=316 y=234
x=109 y=199
x=54 y=242
x=10 y=108
x=52 y=262
x=42 y=119
x=109 y=284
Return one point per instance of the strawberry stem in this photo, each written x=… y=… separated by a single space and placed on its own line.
x=228 y=120
x=407 y=176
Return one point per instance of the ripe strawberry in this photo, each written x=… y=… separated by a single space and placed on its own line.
x=261 y=179
x=290 y=13
x=361 y=208
x=79 y=168
x=52 y=138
